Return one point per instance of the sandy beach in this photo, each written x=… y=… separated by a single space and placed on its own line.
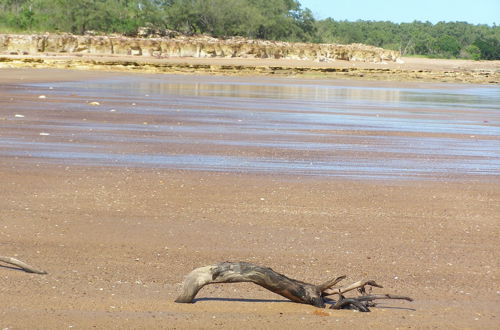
x=117 y=241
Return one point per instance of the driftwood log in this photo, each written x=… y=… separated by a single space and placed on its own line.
x=297 y=291
x=24 y=266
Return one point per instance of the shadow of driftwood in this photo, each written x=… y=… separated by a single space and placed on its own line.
x=13 y=268
x=286 y=301
x=243 y=300
x=392 y=307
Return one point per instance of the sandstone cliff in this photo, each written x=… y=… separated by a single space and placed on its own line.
x=187 y=46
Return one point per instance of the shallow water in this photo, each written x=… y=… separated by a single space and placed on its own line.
x=263 y=125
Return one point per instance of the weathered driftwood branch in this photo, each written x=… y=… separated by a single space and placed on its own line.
x=297 y=291
x=22 y=265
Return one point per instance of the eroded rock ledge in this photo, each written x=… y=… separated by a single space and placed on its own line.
x=190 y=46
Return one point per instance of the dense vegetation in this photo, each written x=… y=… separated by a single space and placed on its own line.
x=263 y=19
x=450 y=40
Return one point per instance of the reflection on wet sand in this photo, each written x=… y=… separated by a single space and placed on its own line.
x=298 y=127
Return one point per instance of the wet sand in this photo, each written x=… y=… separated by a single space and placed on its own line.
x=118 y=240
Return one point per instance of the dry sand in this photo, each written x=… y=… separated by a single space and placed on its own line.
x=117 y=243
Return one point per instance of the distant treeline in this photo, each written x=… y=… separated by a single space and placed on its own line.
x=260 y=19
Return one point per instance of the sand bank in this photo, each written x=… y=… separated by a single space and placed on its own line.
x=411 y=69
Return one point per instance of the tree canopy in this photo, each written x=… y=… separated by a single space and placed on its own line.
x=261 y=19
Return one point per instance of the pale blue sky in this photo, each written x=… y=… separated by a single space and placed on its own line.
x=471 y=11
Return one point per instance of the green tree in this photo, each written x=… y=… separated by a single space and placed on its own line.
x=490 y=48
x=446 y=45
x=473 y=52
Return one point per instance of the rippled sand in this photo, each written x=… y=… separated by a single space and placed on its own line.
x=258 y=125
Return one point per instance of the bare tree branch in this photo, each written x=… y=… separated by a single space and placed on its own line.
x=22 y=265
x=329 y=284
x=297 y=291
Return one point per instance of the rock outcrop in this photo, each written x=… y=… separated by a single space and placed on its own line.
x=189 y=46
